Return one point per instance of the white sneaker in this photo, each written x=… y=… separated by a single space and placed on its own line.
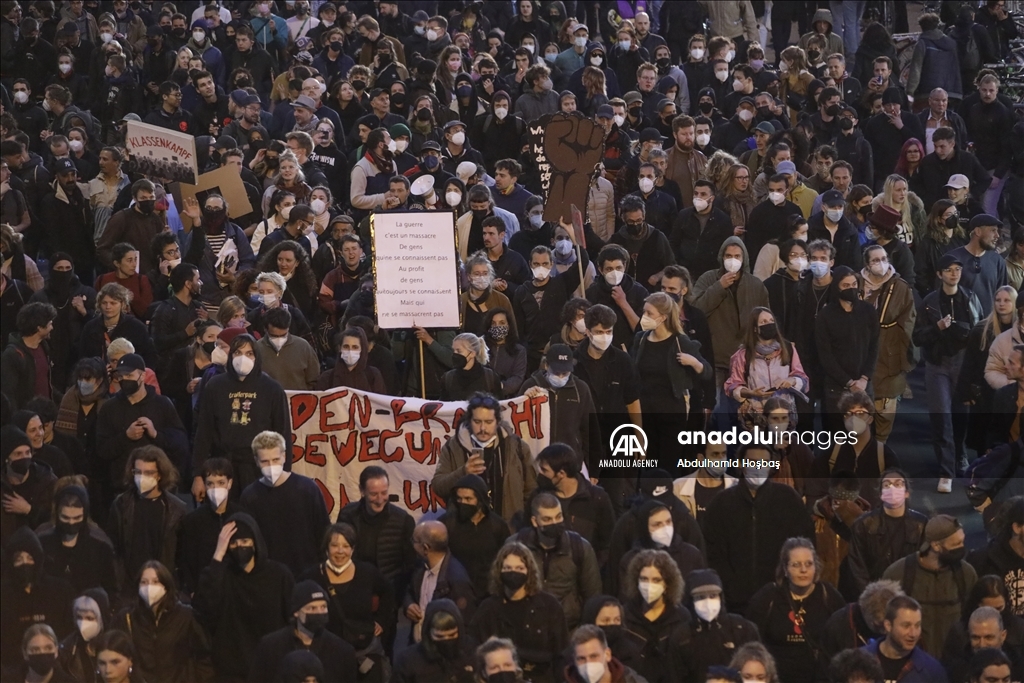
x=945 y=485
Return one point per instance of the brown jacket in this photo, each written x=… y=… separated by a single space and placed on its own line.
x=686 y=169
x=896 y=316
x=129 y=225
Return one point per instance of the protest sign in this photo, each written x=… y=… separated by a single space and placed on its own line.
x=415 y=268
x=338 y=433
x=162 y=153
x=566 y=149
x=224 y=181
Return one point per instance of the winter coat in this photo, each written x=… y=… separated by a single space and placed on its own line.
x=733 y=19
x=423 y=663
x=871 y=550
x=540 y=637
x=934 y=173
x=713 y=643
x=697 y=249
x=118 y=413
x=896 y=317
x=392 y=553
x=37 y=489
x=600 y=292
x=935 y=343
x=452 y=583
x=516 y=467
x=337 y=656
x=934 y=64
x=295 y=366
x=169 y=645
x=833 y=41
x=601 y=207
x=571 y=576
x=95 y=338
x=728 y=310
x=573 y=417
x=121 y=529
x=660 y=659
x=18 y=379
x=846 y=241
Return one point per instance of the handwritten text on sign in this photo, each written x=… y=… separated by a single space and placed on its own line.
x=336 y=434
x=415 y=269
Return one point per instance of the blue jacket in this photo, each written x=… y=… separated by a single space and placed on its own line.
x=922 y=667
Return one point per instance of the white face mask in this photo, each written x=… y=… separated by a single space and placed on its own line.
x=530 y=48
x=619 y=119
x=745 y=115
x=580 y=41
x=799 y=264
x=591 y=672
x=580 y=326
x=76 y=145
x=243 y=365
x=145 y=483
x=857 y=425
x=46 y=105
x=21 y=97
x=219 y=356
x=776 y=198
x=64 y=68
x=646 y=185
x=650 y=592
x=697 y=53
x=879 y=269
x=501 y=112
x=737 y=85
x=198 y=36
x=732 y=265
x=722 y=76
x=401 y=145
x=703 y=139
x=834 y=215
x=730 y=55
x=392 y=146
x=756 y=477
x=431 y=34
x=350 y=358
x=707 y=608
x=272 y=473
x=453 y=198
x=459 y=138
x=663 y=535
x=648 y=323
x=700 y=204
x=625 y=44
x=152 y=593
x=318 y=206
x=217 y=495
x=269 y=300
x=596 y=61
x=88 y=628
x=278 y=342
x=541 y=273
x=563 y=247
x=601 y=341
x=614 y=277
x=106 y=37
x=481 y=282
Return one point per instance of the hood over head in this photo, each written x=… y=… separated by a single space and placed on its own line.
x=298 y=665
x=593 y=606
x=479 y=487
x=238 y=341
x=248 y=528
x=433 y=608
x=838 y=273
x=823 y=15
x=734 y=240
x=643 y=514
x=73 y=491
x=24 y=540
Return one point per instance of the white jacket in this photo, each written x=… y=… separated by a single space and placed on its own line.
x=684 y=488
x=995 y=366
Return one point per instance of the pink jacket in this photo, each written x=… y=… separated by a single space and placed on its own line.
x=765 y=373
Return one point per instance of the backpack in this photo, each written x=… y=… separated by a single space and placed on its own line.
x=910 y=575
x=991 y=472
x=967 y=51
x=880 y=454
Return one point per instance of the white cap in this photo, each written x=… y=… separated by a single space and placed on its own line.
x=959 y=181
x=465 y=170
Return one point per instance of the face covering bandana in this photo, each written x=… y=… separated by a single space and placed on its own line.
x=663 y=536
x=708 y=608
x=819 y=269
x=272 y=473
x=614 y=277
x=541 y=273
x=557 y=381
x=732 y=265
x=650 y=592
x=243 y=365
x=591 y=672
x=145 y=483
x=88 y=628
x=152 y=593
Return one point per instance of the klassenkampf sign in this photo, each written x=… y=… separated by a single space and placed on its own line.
x=338 y=433
x=162 y=153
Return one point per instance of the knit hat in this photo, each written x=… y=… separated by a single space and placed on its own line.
x=399 y=130
x=12 y=438
x=228 y=334
x=885 y=218
x=892 y=96
x=306 y=592
x=703 y=581
x=939 y=528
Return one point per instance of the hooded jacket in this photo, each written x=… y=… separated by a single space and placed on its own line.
x=37 y=489
x=238 y=608
x=87 y=564
x=475 y=545
x=709 y=643
x=569 y=570
x=337 y=657
x=686 y=555
x=728 y=310
x=118 y=413
x=573 y=417
x=169 y=645
x=833 y=41
x=934 y=64
x=515 y=467
x=48 y=602
x=425 y=663
x=197 y=541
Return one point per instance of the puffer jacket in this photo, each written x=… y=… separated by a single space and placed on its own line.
x=601 y=207
x=392 y=554
x=569 y=570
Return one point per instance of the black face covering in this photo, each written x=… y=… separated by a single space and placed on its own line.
x=459 y=361
x=952 y=221
x=552 y=532
x=146 y=206
x=20 y=467
x=449 y=649
x=612 y=632
x=242 y=554
x=705 y=108
x=465 y=511
x=513 y=581
x=60 y=280
x=25 y=574
x=845 y=124
x=764 y=112
x=315 y=623
x=850 y=294
x=129 y=386
x=69 y=529
x=768 y=331
x=545 y=483
x=42 y=663
x=423 y=114
x=953 y=557
x=832 y=110
x=503 y=677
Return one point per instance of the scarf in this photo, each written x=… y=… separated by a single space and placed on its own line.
x=382 y=164
x=309 y=127
x=767 y=349
x=67 y=414
x=872 y=283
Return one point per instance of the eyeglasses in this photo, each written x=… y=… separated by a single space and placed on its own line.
x=858 y=413
x=894 y=484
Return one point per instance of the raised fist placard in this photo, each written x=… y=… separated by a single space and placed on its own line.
x=567 y=148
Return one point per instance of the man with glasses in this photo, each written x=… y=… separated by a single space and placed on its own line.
x=945 y=319
x=169 y=114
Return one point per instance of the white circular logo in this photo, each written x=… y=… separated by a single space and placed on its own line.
x=628 y=445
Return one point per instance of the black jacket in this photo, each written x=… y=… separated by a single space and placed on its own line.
x=118 y=413
x=847 y=342
x=999 y=558
x=88 y=564
x=744 y=534
x=384 y=540
x=600 y=292
x=540 y=636
x=847 y=629
x=238 y=608
x=714 y=643
x=169 y=646
x=649 y=257
x=122 y=532
x=197 y=540
x=856 y=150
x=453 y=583
x=18 y=372
x=846 y=241
x=886 y=141
x=766 y=222
x=573 y=416
x=937 y=344
x=871 y=550
x=37 y=489
x=537 y=322
x=933 y=174
x=475 y=545
x=695 y=248
x=589 y=513
x=423 y=663
x=337 y=656
x=93 y=342
x=660 y=659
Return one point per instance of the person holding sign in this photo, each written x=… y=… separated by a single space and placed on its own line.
x=490 y=449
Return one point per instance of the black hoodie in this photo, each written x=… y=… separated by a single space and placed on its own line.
x=48 y=602
x=475 y=545
x=239 y=608
x=37 y=489
x=87 y=564
x=235 y=410
x=426 y=663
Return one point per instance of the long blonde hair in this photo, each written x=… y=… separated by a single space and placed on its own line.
x=887 y=189
x=992 y=325
x=665 y=305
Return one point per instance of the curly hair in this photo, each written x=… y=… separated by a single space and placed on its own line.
x=759 y=653
x=665 y=565
x=154 y=454
x=303 y=270
x=718 y=168
x=533 y=584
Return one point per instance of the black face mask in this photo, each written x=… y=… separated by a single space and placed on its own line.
x=335 y=45
x=706 y=108
x=60 y=280
x=832 y=110
x=813 y=55
x=24 y=574
x=42 y=663
x=146 y=206
x=465 y=511
x=359 y=85
x=513 y=581
x=271 y=162
x=636 y=112
x=69 y=529
x=663 y=62
x=20 y=467
x=764 y=112
x=552 y=532
x=208 y=347
x=129 y=386
x=398 y=99
x=459 y=361
x=384 y=58
x=768 y=330
x=545 y=483
x=215 y=218
x=612 y=632
x=952 y=221
x=315 y=623
x=503 y=677
x=849 y=295
x=242 y=555
x=449 y=649
x=953 y=557
x=178 y=32
x=845 y=124
x=480 y=214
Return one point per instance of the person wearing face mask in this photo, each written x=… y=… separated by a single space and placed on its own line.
x=200 y=528
x=519 y=609
x=538 y=96
x=766 y=363
x=592 y=661
x=226 y=429
x=306 y=632
x=475 y=531
x=656 y=532
x=91 y=610
x=352 y=368
x=938 y=577
x=833 y=225
x=243 y=596
x=444 y=653
x=469 y=373
x=699 y=231
x=287 y=358
x=607 y=613
x=697 y=489
x=136 y=225
x=755 y=508
x=714 y=633
x=481 y=296
x=822 y=26
x=169 y=642
x=75 y=547
x=28 y=482
x=37 y=658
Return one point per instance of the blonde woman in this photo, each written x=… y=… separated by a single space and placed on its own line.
x=984 y=370
x=290 y=178
x=794 y=79
x=470 y=373
x=595 y=87
x=896 y=194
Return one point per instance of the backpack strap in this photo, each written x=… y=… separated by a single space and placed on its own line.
x=832 y=458
x=881 y=456
x=909 y=573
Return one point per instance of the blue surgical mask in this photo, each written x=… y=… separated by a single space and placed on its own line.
x=557 y=382
x=536 y=220
x=819 y=268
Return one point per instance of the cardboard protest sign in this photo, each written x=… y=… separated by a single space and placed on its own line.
x=416 y=269
x=224 y=181
x=338 y=433
x=162 y=153
x=566 y=148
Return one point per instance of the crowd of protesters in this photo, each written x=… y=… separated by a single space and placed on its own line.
x=769 y=243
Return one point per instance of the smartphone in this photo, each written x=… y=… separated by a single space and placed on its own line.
x=478 y=452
